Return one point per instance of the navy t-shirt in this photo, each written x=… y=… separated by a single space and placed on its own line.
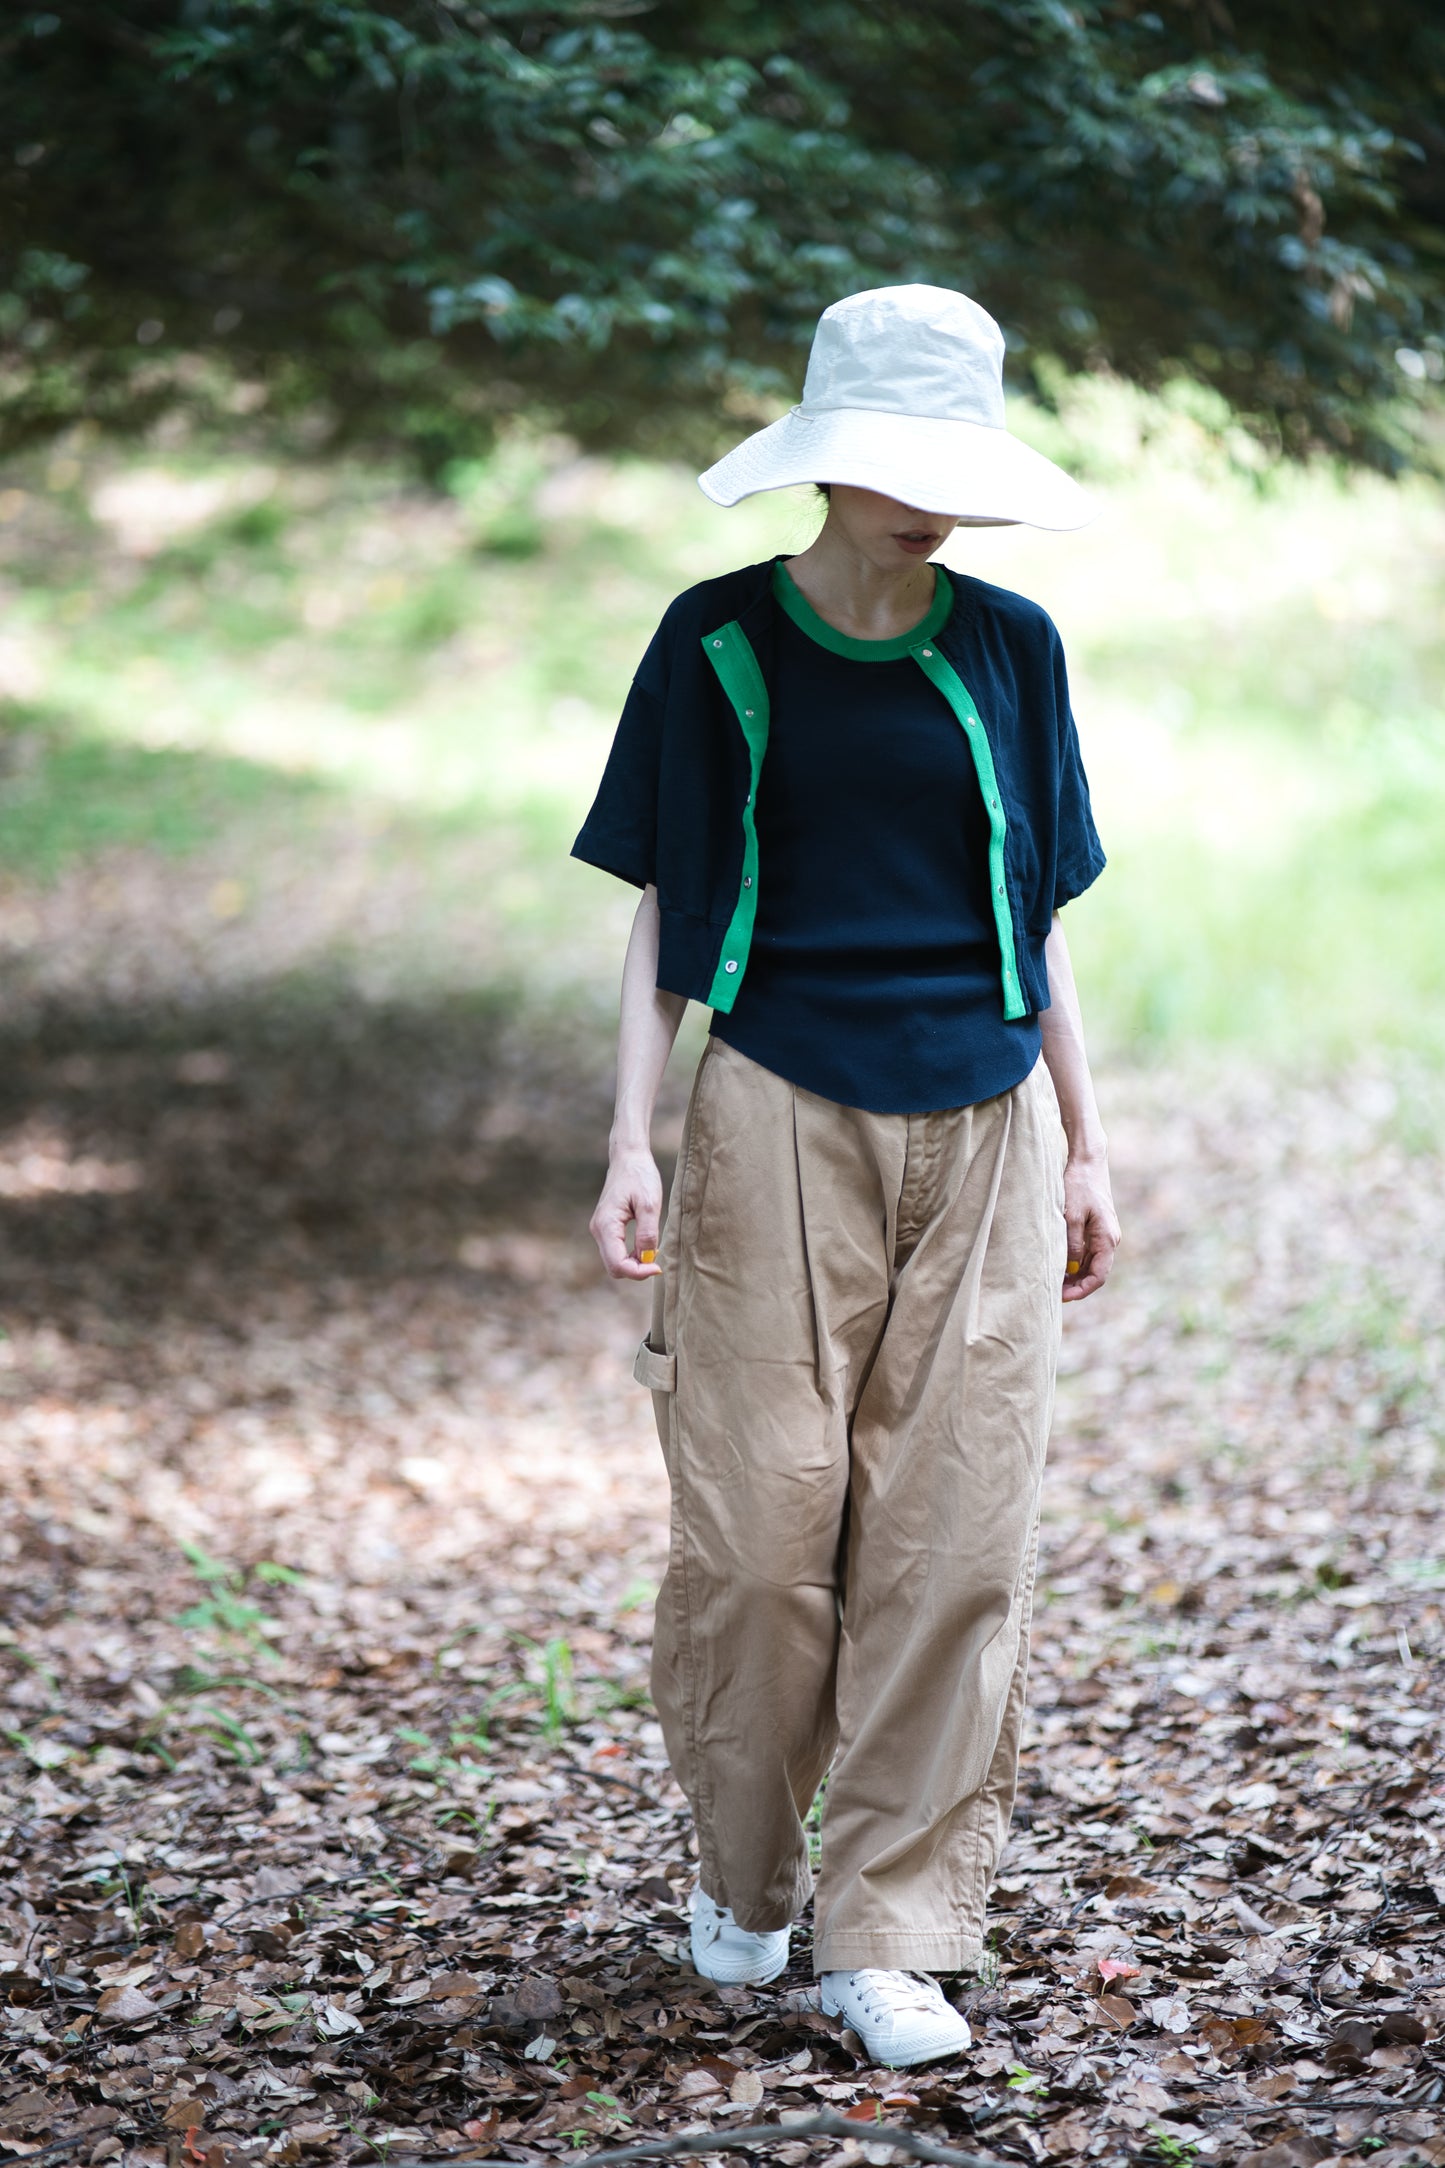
x=873 y=978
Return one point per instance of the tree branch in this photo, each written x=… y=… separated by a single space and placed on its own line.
x=690 y=2144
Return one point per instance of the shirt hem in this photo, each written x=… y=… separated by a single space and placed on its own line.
x=934 y=1106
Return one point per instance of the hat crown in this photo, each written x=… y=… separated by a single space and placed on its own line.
x=920 y=350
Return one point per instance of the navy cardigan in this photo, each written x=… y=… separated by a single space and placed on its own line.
x=674 y=807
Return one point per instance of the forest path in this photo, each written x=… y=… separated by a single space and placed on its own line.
x=385 y=1860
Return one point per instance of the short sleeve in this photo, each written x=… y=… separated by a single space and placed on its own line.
x=1079 y=859
x=619 y=835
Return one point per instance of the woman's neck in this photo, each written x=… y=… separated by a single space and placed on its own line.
x=856 y=596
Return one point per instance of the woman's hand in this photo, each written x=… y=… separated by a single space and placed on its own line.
x=632 y=1191
x=647 y=1027
x=1088 y=1200
x=1093 y=1225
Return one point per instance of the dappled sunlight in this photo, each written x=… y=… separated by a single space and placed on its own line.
x=147 y=508
x=330 y=1507
x=328 y=1492
x=368 y=1344
x=37 y=1160
x=359 y=361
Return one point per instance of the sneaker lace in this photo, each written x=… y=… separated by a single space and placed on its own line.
x=897 y=1994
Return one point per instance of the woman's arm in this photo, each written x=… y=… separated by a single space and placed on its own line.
x=1088 y=1200
x=646 y=1029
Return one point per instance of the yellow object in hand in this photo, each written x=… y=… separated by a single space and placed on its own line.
x=647 y=1257
x=1075 y=1264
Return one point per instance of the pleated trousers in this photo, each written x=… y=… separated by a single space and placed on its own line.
x=852 y=1358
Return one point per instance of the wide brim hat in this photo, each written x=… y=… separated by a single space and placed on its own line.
x=904 y=395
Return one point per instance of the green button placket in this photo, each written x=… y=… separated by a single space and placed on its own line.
x=730 y=652
x=941 y=673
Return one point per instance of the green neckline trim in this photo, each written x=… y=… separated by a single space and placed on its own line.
x=787 y=592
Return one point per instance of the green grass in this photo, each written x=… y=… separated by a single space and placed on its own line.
x=1323 y=938
x=68 y=795
x=201 y=649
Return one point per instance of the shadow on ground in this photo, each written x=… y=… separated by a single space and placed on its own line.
x=299 y=1280
x=163 y=1164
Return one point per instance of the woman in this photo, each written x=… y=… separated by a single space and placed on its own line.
x=849 y=788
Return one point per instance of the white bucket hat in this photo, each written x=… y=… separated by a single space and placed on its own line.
x=904 y=394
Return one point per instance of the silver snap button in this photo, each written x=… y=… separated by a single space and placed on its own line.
x=717 y=643
x=1000 y=888
x=747 y=880
x=928 y=651
x=730 y=967
x=747 y=711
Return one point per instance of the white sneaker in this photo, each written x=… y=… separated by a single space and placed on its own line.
x=727 y=1953
x=900 y=2017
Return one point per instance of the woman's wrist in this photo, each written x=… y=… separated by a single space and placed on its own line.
x=1088 y=1148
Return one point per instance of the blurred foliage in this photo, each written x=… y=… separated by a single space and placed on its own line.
x=401 y=223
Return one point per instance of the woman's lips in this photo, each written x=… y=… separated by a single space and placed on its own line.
x=918 y=545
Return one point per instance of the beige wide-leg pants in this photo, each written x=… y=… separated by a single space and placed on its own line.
x=852 y=1361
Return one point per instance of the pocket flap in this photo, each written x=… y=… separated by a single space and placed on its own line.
x=655 y=1370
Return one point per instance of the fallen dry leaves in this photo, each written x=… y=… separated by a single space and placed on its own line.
x=377 y=1856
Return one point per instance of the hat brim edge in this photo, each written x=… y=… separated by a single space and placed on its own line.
x=979 y=475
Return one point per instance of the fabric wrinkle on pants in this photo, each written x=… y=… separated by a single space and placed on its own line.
x=852 y=1355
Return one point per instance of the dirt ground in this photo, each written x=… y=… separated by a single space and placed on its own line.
x=338 y=1825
